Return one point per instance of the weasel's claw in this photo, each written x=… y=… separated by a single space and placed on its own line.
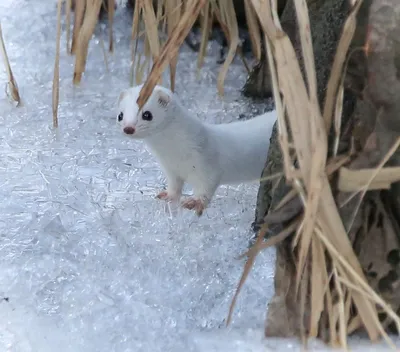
x=164 y=195
x=194 y=204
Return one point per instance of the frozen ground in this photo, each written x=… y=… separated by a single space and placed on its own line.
x=89 y=260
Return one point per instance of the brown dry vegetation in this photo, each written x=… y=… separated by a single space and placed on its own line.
x=11 y=84
x=332 y=293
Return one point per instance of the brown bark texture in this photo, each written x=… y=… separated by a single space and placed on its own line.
x=371 y=126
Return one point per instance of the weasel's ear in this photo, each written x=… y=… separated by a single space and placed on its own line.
x=163 y=98
x=121 y=96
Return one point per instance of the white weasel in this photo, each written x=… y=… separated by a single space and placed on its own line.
x=189 y=150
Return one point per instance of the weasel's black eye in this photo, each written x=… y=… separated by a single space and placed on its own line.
x=147 y=116
x=120 y=116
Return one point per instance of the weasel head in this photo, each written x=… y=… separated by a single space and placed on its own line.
x=145 y=122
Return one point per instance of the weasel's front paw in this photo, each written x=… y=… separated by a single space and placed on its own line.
x=168 y=197
x=194 y=203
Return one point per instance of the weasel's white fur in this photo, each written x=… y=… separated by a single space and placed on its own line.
x=189 y=150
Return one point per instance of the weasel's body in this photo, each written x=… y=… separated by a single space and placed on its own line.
x=189 y=150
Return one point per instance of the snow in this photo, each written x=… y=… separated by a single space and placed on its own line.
x=90 y=261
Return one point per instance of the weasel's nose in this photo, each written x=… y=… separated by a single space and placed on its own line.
x=129 y=130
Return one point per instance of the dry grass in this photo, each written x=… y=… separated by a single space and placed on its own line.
x=167 y=14
x=321 y=234
x=85 y=33
x=56 y=78
x=171 y=47
x=12 y=84
x=319 y=231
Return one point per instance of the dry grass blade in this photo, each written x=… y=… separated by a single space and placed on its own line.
x=338 y=63
x=103 y=49
x=364 y=189
x=342 y=321
x=56 y=78
x=297 y=185
x=218 y=16
x=140 y=67
x=283 y=133
x=254 y=250
x=355 y=180
x=356 y=278
x=229 y=18
x=347 y=307
x=333 y=229
x=159 y=15
x=68 y=5
x=249 y=263
x=338 y=116
x=170 y=48
x=373 y=297
x=85 y=33
x=273 y=241
x=147 y=49
x=80 y=7
x=307 y=50
x=150 y=21
x=268 y=20
x=318 y=137
x=110 y=23
x=287 y=198
x=333 y=165
x=11 y=80
x=134 y=38
x=271 y=177
x=295 y=93
x=319 y=284
x=172 y=7
x=356 y=322
x=377 y=170
x=254 y=28
x=304 y=284
x=206 y=24
x=336 y=163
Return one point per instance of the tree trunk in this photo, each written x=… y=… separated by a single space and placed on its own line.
x=370 y=119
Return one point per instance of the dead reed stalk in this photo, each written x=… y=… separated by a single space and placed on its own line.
x=110 y=23
x=79 y=13
x=68 y=5
x=83 y=37
x=12 y=84
x=173 y=9
x=170 y=49
x=169 y=12
x=56 y=78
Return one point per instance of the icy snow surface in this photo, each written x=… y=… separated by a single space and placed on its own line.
x=90 y=261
